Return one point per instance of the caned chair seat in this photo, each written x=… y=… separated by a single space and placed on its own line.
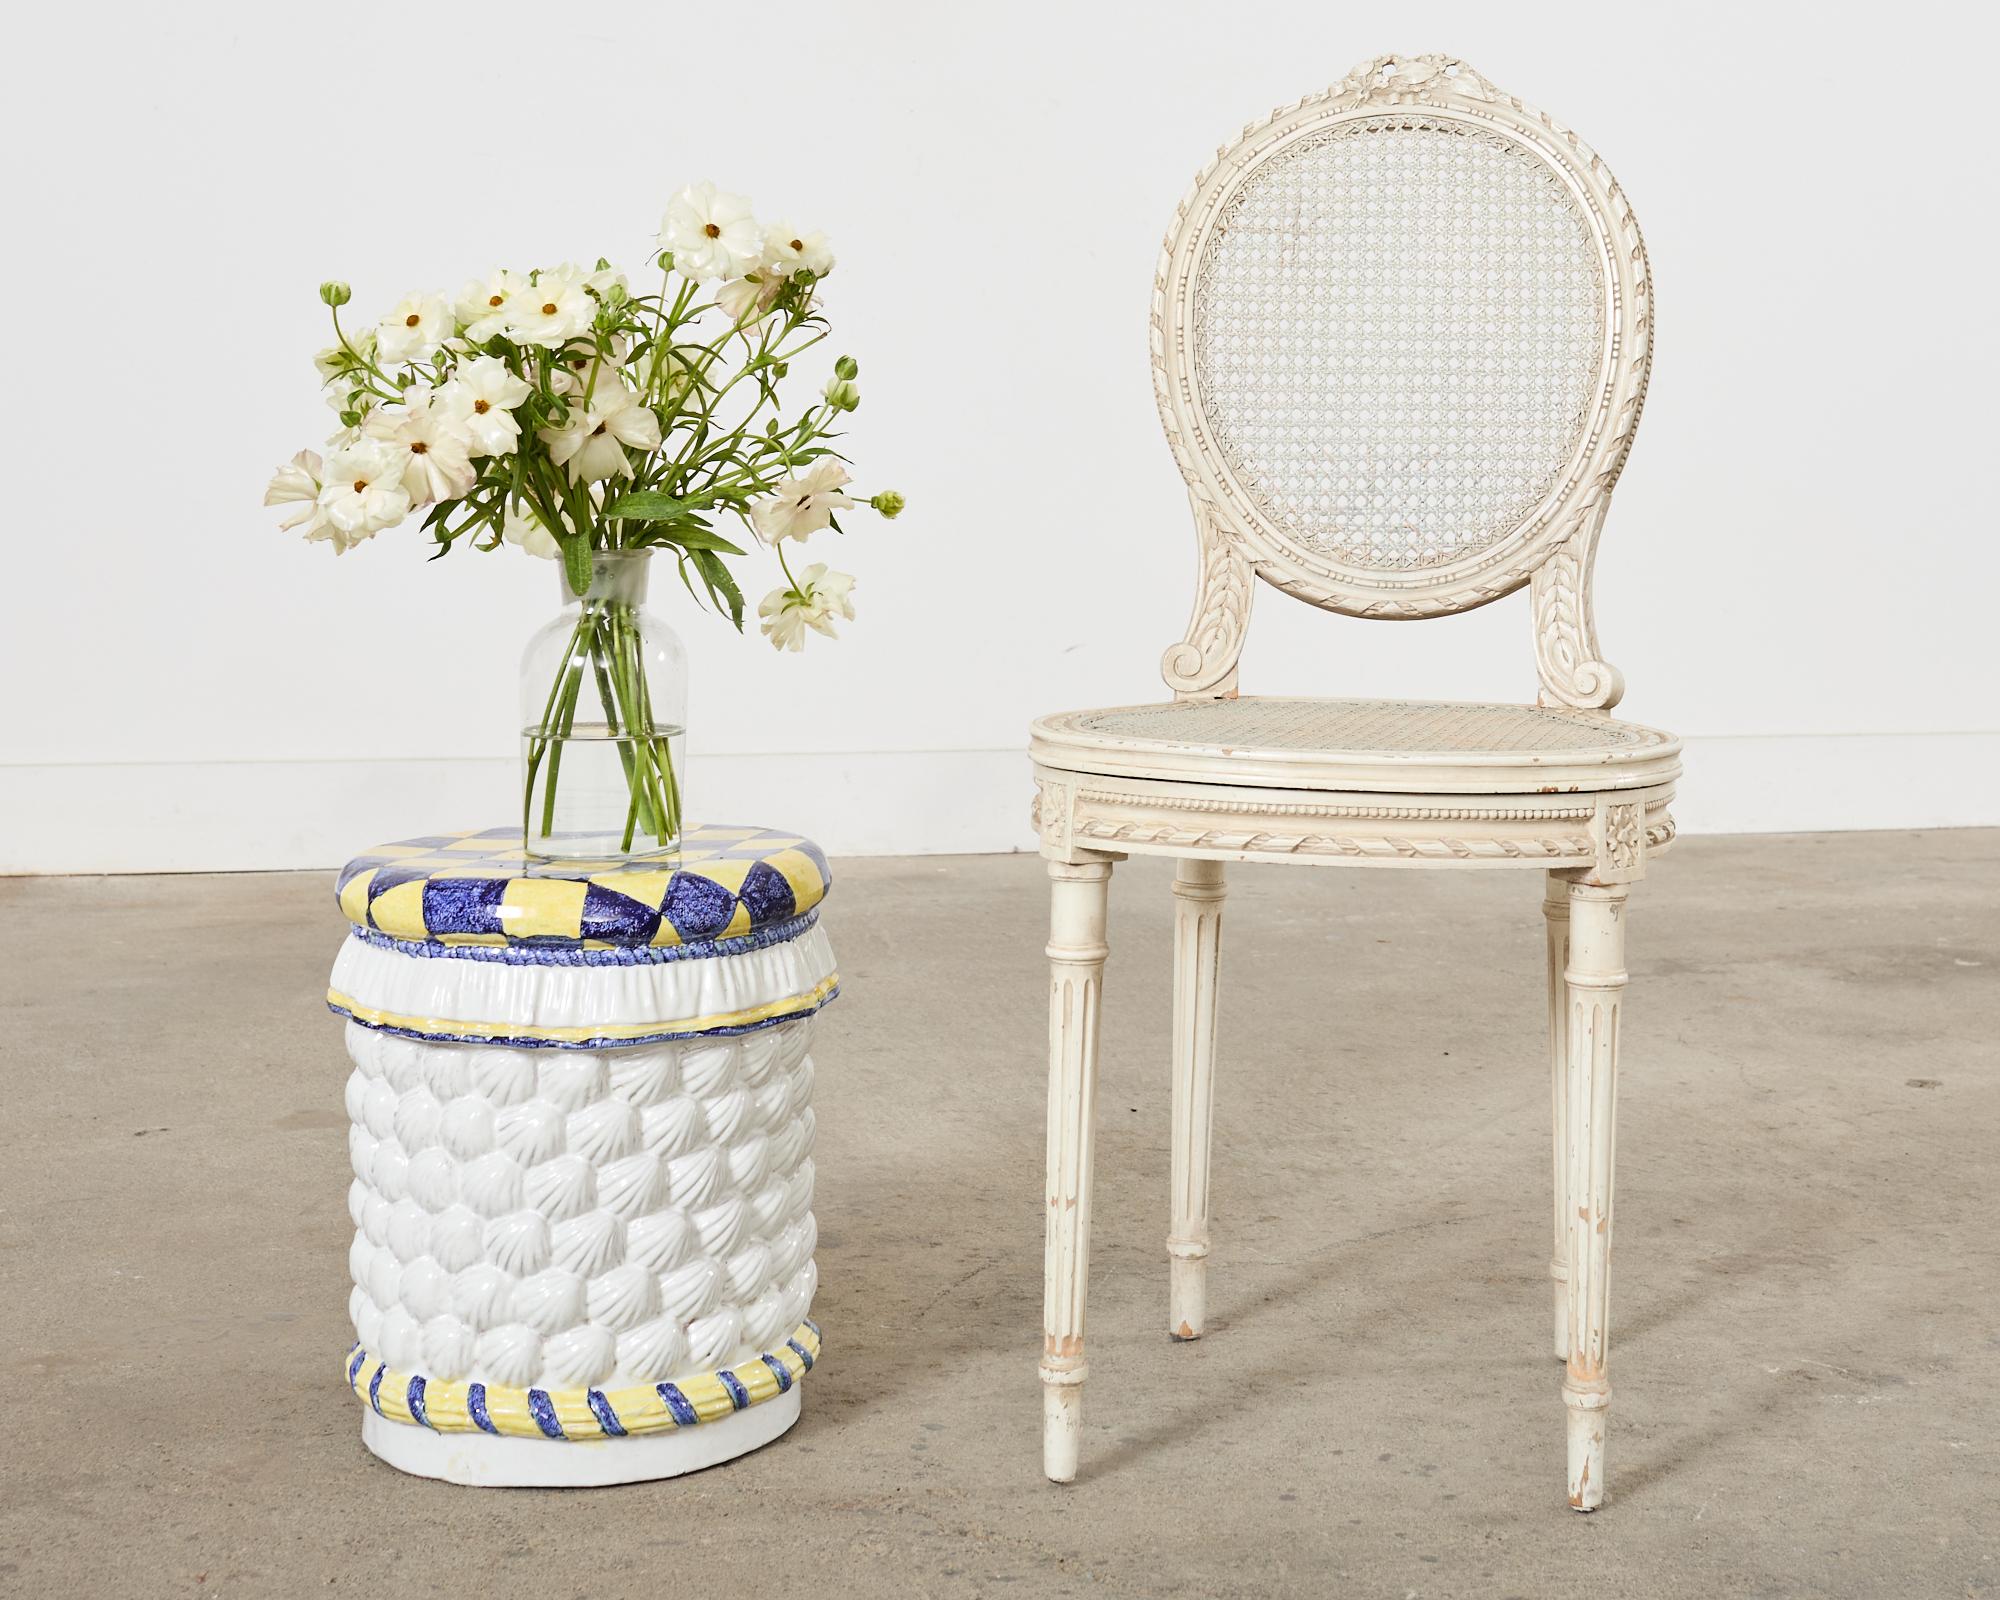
x=1418 y=747
x=1401 y=334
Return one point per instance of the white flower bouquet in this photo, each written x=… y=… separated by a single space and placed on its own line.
x=562 y=412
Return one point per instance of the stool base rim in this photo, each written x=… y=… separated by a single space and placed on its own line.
x=486 y=1460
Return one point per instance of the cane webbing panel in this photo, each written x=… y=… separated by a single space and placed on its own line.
x=1390 y=727
x=1398 y=332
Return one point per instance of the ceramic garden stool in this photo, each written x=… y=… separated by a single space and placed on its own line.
x=582 y=1135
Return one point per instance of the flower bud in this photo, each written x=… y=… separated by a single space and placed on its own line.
x=889 y=503
x=842 y=395
x=847 y=367
x=335 y=293
x=780 y=368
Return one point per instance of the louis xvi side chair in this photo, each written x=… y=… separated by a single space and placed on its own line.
x=1400 y=339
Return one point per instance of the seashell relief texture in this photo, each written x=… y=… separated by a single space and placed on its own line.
x=570 y=1219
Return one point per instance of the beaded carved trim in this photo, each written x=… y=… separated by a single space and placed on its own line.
x=540 y=955
x=447 y=1030
x=461 y=1407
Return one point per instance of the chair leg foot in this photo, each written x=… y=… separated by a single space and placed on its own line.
x=1187 y=1296
x=1062 y=1430
x=1587 y=1415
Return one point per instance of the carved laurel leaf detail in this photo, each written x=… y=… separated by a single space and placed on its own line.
x=1204 y=663
x=1566 y=652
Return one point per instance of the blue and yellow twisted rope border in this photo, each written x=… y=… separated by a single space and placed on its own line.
x=482 y=890
x=461 y=1407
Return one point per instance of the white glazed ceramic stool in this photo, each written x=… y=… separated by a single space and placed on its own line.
x=582 y=1136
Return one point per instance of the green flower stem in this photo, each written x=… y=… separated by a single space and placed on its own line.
x=639 y=719
x=566 y=721
x=539 y=744
x=606 y=644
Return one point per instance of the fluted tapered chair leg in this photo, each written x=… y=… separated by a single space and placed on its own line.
x=1198 y=895
x=1595 y=981
x=1079 y=892
x=1555 y=914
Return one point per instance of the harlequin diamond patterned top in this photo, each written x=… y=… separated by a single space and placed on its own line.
x=1399 y=324
x=482 y=889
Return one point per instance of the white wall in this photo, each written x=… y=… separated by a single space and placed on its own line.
x=1798 y=574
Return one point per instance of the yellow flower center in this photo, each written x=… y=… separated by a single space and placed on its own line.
x=548 y=308
x=496 y=299
x=798 y=244
x=418 y=447
x=412 y=320
x=480 y=406
x=360 y=484
x=712 y=231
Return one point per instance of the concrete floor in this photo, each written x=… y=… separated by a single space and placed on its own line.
x=1806 y=1323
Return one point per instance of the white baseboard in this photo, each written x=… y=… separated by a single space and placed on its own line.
x=232 y=816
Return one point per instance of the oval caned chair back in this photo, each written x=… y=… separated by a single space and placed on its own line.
x=1401 y=333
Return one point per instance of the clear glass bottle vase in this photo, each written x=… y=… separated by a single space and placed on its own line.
x=603 y=722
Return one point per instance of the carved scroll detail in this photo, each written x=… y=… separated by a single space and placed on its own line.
x=1566 y=650
x=1203 y=665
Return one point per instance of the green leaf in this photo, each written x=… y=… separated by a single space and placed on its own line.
x=693 y=538
x=576 y=562
x=716 y=576
x=648 y=505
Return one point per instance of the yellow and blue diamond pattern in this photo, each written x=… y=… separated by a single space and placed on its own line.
x=482 y=888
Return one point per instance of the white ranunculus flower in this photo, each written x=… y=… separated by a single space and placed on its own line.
x=579 y=369
x=592 y=443
x=429 y=431
x=788 y=250
x=525 y=529
x=711 y=234
x=551 y=311
x=362 y=491
x=482 y=304
x=297 y=482
x=801 y=506
x=748 y=300
x=485 y=393
x=834 y=591
x=418 y=325
x=819 y=597
x=783 y=614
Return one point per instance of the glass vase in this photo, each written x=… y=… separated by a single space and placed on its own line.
x=603 y=722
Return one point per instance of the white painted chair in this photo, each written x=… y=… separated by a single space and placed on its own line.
x=1400 y=341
